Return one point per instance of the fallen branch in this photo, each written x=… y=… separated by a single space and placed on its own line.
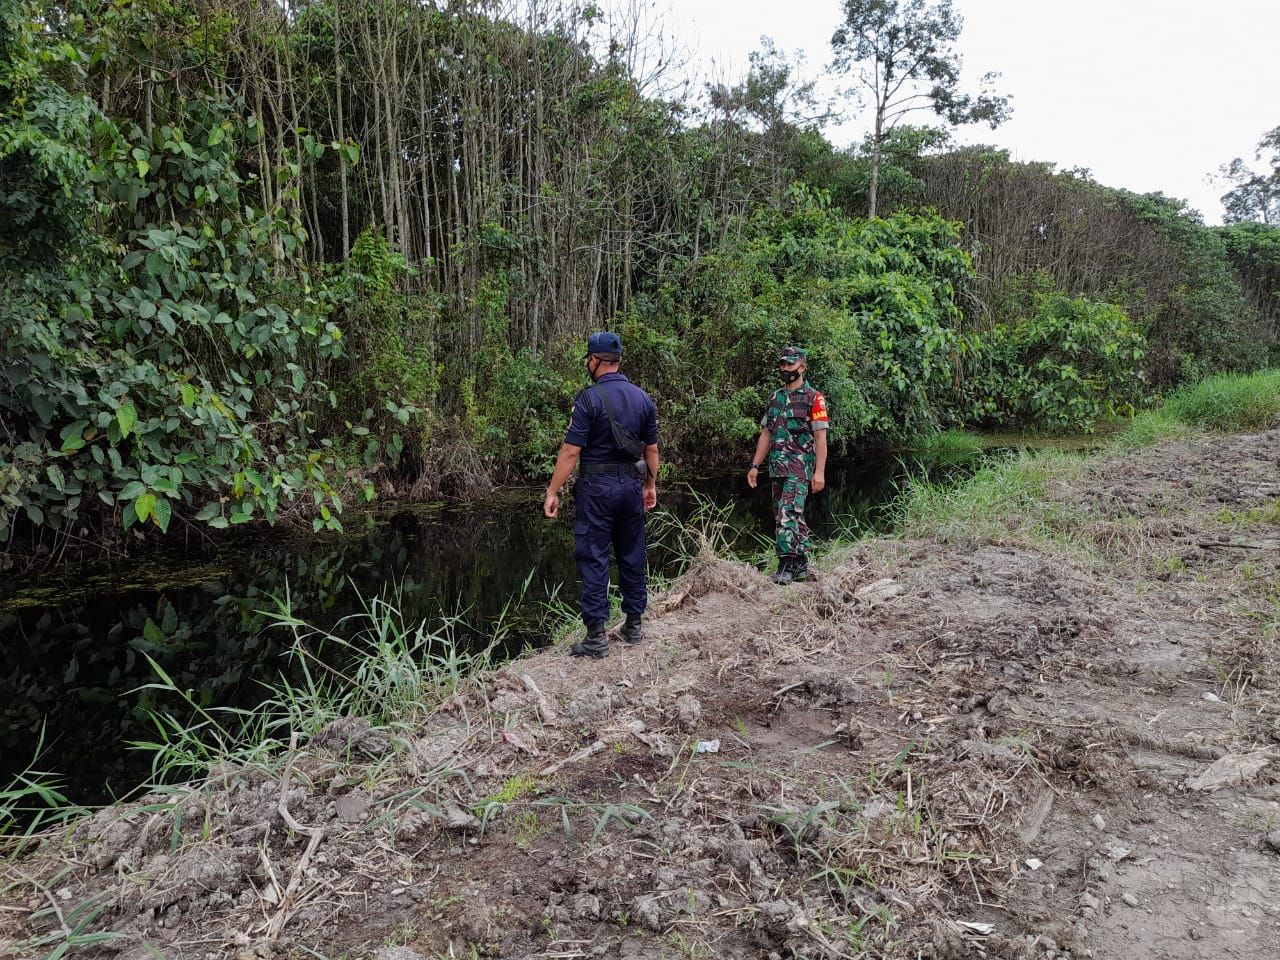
x=286 y=909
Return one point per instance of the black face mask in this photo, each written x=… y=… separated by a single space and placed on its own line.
x=788 y=376
x=590 y=373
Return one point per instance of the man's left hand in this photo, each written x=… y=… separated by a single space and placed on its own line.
x=551 y=505
x=819 y=481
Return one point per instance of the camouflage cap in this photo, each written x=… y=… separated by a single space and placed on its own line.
x=792 y=355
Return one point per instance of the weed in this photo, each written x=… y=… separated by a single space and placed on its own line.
x=72 y=924
x=1170 y=564
x=1228 y=402
x=625 y=814
x=389 y=672
x=528 y=828
x=950 y=445
x=1001 y=501
x=404 y=934
x=30 y=802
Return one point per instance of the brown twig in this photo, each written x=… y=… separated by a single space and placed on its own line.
x=286 y=909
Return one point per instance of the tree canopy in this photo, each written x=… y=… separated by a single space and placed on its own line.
x=902 y=53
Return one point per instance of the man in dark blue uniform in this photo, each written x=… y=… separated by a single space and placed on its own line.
x=614 y=433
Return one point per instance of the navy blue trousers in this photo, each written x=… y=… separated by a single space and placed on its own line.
x=609 y=515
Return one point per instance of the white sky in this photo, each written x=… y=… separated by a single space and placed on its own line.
x=1146 y=94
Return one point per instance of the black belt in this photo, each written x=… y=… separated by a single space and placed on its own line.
x=621 y=469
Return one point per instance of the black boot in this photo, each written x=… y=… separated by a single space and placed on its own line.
x=800 y=570
x=631 y=631
x=783 y=575
x=596 y=645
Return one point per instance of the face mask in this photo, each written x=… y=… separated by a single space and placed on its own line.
x=788 y=376
x=591 y=373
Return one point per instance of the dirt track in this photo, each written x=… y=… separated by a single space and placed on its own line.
x=1076 y=745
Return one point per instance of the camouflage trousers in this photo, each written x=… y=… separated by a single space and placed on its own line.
x=791 y=532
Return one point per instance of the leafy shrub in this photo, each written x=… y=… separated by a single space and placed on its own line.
x=1069 y=365
x=873 y=302
x=169 y=364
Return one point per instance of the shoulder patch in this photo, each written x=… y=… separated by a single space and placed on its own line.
x=819 y=409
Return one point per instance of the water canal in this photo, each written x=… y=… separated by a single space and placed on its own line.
x=76 y=641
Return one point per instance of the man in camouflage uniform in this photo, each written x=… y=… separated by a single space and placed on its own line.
x=793 y=435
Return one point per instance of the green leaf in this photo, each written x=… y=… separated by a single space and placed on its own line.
x=163 y=511
x=144 y=505
x=209 y=511
x=152 y=632
x=73 y=431
x=126 y=417
x=132 y=490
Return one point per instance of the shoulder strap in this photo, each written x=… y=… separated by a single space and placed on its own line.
x=621 y=435
x=604 y=398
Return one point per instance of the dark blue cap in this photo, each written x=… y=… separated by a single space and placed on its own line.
x=603 y=342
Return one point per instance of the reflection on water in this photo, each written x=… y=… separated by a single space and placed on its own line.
x=76 y=643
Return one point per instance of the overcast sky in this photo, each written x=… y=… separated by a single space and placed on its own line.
x=1147 y=94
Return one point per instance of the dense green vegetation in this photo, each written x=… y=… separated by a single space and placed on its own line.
x=260 y=265
x=1227 y=402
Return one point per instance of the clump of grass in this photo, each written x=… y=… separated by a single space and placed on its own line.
x=949 y=445
x=1228 y=401
x=1151 y=426
x=387 y=671
x=1001 y=500
x=30 y=802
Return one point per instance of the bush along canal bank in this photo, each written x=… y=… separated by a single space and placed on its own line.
x=1040 y=722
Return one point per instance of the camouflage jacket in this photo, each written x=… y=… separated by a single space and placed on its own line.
x=791 y=420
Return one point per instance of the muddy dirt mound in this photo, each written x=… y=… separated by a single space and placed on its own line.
x=1024 y=749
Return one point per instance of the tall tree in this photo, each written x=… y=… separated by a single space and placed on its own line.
x=1255 y=196
x=903 y=53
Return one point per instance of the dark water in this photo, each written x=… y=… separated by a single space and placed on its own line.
x=76 y=642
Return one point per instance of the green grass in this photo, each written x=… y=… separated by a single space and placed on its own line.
x=1227 y=402
x=949 y=445
x=29 y=803
x=390 y=672
x=1151 y=426
x=1002 y=500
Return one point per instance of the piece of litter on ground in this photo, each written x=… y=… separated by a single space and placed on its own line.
x=1034 y=864
x=981 y=929
x=1117 y=853
x=515 y=741
x=708 y=746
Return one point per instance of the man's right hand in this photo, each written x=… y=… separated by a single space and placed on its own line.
x=551 y=505
x=752 y=475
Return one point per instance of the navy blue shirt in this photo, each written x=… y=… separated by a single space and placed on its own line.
x=589 y=427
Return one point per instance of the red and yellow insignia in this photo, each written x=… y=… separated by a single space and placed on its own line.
x=819 y=411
